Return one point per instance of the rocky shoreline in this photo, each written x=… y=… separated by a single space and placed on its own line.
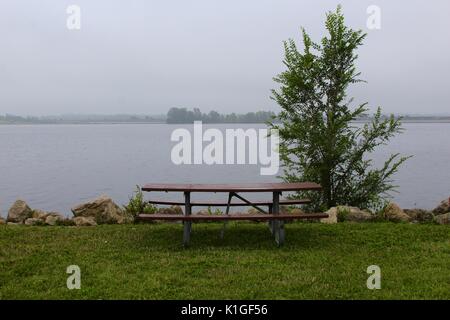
x=393 y=213
x=103 y=210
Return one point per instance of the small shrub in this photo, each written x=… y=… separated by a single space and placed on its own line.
x=65 y=222
x=342 y=213
x=137 y=204
x=379 y=215
x=39 y=223
x=215 y=212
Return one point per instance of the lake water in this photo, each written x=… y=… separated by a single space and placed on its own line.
x=54 y=167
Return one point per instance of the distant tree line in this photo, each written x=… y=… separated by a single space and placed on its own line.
x=74 y=119
x=9 y=118
x=183 y=115
x=177 y=115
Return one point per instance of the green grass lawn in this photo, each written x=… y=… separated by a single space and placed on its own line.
x=148 y=262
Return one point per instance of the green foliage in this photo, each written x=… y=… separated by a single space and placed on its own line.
x=65 y=222
x=39 y=223
x=342 y=213
x=319 y=141
x=214 y=212
x=138 y=205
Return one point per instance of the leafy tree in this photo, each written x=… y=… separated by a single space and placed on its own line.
x=319 y=140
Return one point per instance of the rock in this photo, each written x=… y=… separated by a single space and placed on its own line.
x=102 y=209
x=2 y=221
x=126 y=218
x=419 y=215
x=285 y=209
x=55 y=214
x=39 y=214
x=296 y=211
x=332 y=216
x=443 y=218
x=65 y=222
x=13 y=223
x=52 y=220
x=170 y=210
x=203 y=212
x=33 y=222
x=393 y=212
x=84 y=221
x=354 y=214
x=443 y=207
x=19 y=212
x=176 y=209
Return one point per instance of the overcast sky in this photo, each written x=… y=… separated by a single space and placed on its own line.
x=142 y=56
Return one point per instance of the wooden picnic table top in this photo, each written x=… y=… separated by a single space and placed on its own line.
x=234 y=187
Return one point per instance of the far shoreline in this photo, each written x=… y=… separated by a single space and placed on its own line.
x=162 y=122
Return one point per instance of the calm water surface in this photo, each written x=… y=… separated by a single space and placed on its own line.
x=54 y=167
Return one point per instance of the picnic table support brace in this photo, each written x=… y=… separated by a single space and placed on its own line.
x=248 y=202
x=230 y=196
x=187 y=225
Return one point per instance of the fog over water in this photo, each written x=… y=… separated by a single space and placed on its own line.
x=146 y=56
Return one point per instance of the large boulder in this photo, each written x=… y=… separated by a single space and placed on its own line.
x=19 y=212
x=285 y=209
x=170 y=210
x=84 y=221
x=419 y=215
x=443 y=218
x=102 y=209
x=393 y=212
x=53 y=218
x=354 y=214
x=443 y=207
x=39 y=214
x=252 y=210
x=295 y=211
x=332 y=216
x=34 y=222
x=55 y=214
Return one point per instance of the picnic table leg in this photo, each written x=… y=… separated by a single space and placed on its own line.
x=278 y=225
x=187 y=225
x=222 y=232
x=270 y=222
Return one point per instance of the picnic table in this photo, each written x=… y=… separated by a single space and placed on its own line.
x=273 y=215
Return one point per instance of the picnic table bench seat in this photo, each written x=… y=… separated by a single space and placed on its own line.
x=232 y=204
